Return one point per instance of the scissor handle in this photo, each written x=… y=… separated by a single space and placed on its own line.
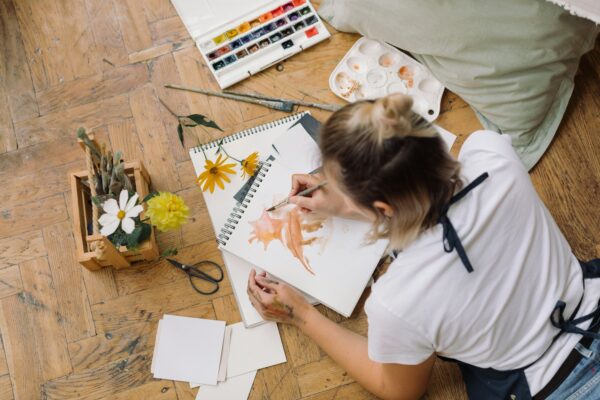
x=195 y=272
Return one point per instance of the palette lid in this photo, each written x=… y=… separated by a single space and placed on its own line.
x=202 y=16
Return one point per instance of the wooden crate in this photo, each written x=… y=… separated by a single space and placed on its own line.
x=95 y=251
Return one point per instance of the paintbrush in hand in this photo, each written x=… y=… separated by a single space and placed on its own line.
x=305 y=192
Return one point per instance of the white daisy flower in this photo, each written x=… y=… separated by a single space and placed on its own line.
x=119 y=213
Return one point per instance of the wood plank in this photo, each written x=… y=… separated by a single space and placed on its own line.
x=134 y=27
x=186 y=174
x=446 y=382
x=157 y=51
x=226 y=309
x=320 y=376
x=163 y=70
x=194 y=72
x=168 y=30
x=3 y=363
x=301 y=349
x=102 y=382
x=123 y=136
x=14 y=70
x=280 y=382
x=153 y=137
x=54 y=153
x=184 y=391
x=21 y=348
x=352 y=391
x=161 y=272
x=6 y=392
x=111 y=83
x=32 y=216
x=38 y=186
x=39 y=293
x=110 y=48
x=68 y=281
x=19 y=248
x=78 y=39
x=10 y=283
x=156 y=390
x=151 y=304
x=124 y=342
x=64 y=124
x=158 y=9
x=45 y=41
x=199 y=227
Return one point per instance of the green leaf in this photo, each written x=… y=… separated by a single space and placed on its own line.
x=180 y=133
x=149 y=196
x=146 y=230
x=96 y=201
x=169 y=252
x=202 y=120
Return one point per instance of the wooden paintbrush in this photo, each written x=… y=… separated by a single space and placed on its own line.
x=305 y=192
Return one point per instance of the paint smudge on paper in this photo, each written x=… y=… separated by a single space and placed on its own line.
x=289 y=227
x=406 y=74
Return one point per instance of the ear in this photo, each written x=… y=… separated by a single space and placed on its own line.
x=384 y=208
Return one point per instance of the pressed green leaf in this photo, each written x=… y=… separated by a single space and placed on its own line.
x=180 y=133
x=202 y=120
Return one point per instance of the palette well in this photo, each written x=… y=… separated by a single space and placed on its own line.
x=373 y=69
x=245 y=41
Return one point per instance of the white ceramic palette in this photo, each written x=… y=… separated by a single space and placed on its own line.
x=373 y=69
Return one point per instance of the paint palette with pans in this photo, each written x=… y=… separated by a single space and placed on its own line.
x=239 y=38
x=373 y=69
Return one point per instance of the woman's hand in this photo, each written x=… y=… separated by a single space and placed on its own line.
x=276 y=300
x=328 y=200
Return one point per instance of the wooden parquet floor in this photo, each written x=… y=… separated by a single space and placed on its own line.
x=70 y=333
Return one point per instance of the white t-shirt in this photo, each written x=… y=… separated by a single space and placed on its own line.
x=498 y=315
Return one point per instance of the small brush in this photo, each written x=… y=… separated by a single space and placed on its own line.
x=305 y=192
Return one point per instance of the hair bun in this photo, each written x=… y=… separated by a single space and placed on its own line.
x=391 y=116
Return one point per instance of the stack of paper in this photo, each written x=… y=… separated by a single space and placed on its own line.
x=222 y=360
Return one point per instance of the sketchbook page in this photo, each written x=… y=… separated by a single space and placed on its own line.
x=254 y=348
x=327 y=258
x=221 y=202
x=236 y=388
x=189 y=349
x=297 y=150
x=448 y=137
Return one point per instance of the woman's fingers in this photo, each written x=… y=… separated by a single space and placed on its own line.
x=301 y=182
x=267 y=283
x=307 y=203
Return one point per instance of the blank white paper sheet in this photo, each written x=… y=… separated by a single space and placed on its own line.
x=236 y=388
x=188 y=349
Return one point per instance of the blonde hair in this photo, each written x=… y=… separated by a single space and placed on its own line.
x=382 y=151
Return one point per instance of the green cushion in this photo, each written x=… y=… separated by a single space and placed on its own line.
x=513 y=61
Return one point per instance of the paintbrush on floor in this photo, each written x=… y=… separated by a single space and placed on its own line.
x=305 y=192
x=275 y=103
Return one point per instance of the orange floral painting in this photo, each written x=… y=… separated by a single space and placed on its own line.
x=290 y=227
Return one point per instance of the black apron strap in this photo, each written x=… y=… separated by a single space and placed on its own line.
x=450 y=237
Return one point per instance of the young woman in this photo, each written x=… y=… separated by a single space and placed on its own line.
x=482 y=274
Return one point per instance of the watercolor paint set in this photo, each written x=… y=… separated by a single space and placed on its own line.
x=240 y=38
x=373 y=69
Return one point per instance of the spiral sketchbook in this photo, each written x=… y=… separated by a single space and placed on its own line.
x=330 y=259
x=221 y=202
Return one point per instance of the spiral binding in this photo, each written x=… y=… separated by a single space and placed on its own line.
x=240 y=208
x=248 y=132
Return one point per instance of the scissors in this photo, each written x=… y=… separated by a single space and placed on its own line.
x=193 y=271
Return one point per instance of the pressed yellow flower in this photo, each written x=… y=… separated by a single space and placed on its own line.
x=215 y=173
x=167 y=211
x=249 y=164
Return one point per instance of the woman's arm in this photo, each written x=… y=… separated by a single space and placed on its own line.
x=278 y=301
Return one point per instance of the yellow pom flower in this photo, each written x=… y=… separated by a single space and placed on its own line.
x=167 y=211
x=249 y=164
x=215 y=173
